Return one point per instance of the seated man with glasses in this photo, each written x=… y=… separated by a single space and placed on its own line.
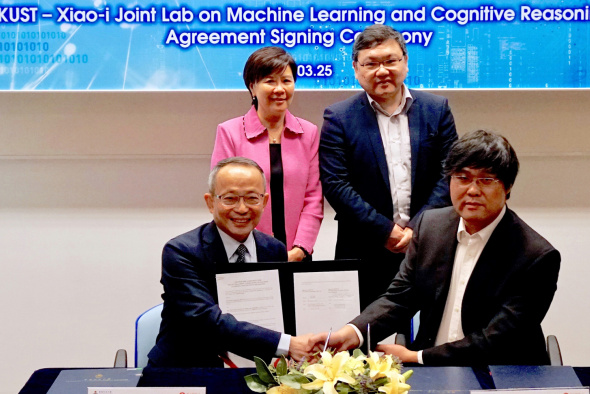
x=194 y=332
x=481 y=278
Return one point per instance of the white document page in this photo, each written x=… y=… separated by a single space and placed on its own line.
x=254 y=297
x=147 y=390
x=325 y=299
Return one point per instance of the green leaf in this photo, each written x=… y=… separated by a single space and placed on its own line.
x=381 y=381
x=357 y=352
x=294 y=381
x=282 y=366
x=343 y=388
x=255 y=383
x=263 y=371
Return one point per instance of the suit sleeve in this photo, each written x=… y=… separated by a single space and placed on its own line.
x=224 y=145
x=447 y=135
x=511 y=333
x=335 y=174
x=398 y=305
x=313 y=203
x=189 y=293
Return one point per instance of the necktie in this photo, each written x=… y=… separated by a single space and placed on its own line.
x=241 y=252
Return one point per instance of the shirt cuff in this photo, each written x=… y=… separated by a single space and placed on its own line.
x=420 y=361
x=283 y=346
x=358 y=334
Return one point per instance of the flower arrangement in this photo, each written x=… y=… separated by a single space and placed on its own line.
x=331 y=374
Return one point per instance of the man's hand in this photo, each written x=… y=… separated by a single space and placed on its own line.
x=401 y=352
x=402 y=246
x=295 y=254
x=343 y=339
x=399 y=239
x=302 y=346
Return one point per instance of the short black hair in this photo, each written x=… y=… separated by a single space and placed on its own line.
x=375 y=35
x=265 y=61
x=237 y=161
x=483 y=150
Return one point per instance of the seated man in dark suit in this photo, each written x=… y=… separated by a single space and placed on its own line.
x=194 y=331
x=481 y=278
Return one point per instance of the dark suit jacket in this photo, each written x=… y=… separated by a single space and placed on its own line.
x=506 y=298
x=194 y=330
x=355 y=179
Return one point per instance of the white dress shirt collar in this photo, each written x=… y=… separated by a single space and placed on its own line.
x=405 y=104
x=231 y=245
x=485 y=233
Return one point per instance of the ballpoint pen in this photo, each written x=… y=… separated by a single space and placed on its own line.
x=368 y=337
x=327 y=339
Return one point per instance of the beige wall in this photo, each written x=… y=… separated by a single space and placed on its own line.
x=94 y=184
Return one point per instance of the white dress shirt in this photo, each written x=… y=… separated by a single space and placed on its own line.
x=395 y=135
x=468 y=251
x=230 y=245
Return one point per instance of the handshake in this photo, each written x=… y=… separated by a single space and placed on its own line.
x=307 y=346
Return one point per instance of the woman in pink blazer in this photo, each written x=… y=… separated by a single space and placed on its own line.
x=286 y=147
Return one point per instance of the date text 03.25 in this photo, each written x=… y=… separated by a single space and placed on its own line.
x=314 y=70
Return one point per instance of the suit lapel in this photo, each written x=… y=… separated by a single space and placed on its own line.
x=493 y=258
x=262 y=247
x=213 y=245
x=446 y=256
x=441 y=254
x=371 y=129
x=415 y=125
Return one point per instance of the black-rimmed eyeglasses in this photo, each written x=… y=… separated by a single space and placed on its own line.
x=388 y=64
x=466 y=181
x=230 y=200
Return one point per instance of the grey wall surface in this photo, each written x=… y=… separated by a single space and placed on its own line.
x=93 y=185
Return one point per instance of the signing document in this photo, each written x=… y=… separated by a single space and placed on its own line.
x=254 y=297
x=147 y=390
x=325 y=299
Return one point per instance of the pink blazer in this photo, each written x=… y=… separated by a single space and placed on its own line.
x=304 y=209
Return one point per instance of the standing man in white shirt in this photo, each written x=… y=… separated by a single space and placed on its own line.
x=481 y=278
x=194 y=331
x=381 y=154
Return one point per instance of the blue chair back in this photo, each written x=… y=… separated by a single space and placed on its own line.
x=415 y=326
x=147 y=327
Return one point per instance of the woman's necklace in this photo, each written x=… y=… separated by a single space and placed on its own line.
x=274 y=140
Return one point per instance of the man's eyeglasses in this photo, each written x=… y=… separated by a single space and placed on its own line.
x=230 y=200
x=466 y=181
x=388 y=64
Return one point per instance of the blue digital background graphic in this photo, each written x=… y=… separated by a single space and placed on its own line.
x=54 y=53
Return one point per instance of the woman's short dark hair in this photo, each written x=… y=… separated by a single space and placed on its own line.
x=266 y=61
x=483 y=150
x=375 y=35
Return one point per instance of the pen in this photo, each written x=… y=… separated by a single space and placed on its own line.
x=327 y=339
x=368 y=337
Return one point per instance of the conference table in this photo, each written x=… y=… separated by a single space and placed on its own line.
x=457 y=380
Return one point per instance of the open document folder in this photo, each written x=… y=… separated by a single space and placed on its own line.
x=296 y=298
